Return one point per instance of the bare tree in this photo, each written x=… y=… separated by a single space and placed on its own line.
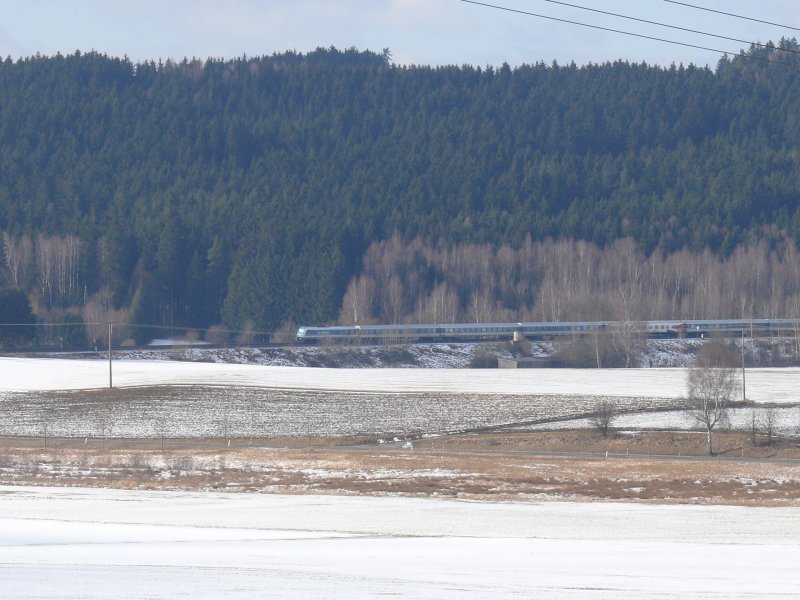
x=45 y=265
x=480 y=306
x=440 y=306
x=19 y=256
x=358 y=302
x=568 y=280
x=709 y=390
x=768 y=421
x=763 y=419
x=247 y=336
x=67 y=254
x=97 y=313
x=605 y=411
x=393 y=309
x=628 y=338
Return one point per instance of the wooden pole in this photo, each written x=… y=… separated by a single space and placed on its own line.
x=744 y=395
x=110 y=380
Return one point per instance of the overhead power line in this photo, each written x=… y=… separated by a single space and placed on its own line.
x=628 y=33
x=667 y=25
x=139 y=325
x=37 y=324
x=727 y=14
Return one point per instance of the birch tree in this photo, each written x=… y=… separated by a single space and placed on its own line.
x=18 y=255
x=710 y=390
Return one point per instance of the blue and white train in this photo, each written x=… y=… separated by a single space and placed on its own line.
x=545 y=330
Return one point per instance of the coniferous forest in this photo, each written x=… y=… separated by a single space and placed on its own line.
x=251 y=193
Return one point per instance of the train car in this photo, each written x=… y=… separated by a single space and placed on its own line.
x=665 y=328
x=321 y=333
x=698 y=328
x=553 y=329
x=545 y=330
x=450 y=331
x=408 y=332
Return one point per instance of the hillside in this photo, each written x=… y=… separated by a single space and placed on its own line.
x=247 y=192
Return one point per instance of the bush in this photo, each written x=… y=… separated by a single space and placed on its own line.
x=217 y=335
x=583 y=352
x=718 y=353
x=285 y=334
x=605 y=411
x=483 y=360
x=397 y=355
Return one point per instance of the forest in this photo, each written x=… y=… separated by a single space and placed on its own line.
x=256 y=193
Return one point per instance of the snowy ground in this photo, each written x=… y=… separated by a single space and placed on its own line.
x=97 y=543
x=653 y=353
x=786 y=421
x=243 y=412
x=90 y=543
x=27 y=374
x=176 y=399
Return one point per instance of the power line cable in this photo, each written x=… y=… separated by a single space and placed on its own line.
x=727 y=14
x=186 y=328
x=139 y=325
x=667 y=25
x=629 y=33
x=38 y=324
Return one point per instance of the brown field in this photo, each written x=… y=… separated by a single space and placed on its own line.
x=678 y=444
x=507 y=467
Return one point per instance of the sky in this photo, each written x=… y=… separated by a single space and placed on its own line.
x=433 y=32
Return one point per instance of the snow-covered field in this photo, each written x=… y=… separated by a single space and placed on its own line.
x=97 y=543
x=92 y=543
x=786 y=421
x=243 y=412
x=177 y=399
x=23 y=374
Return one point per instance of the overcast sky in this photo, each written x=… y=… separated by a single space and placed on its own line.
x=431 y=32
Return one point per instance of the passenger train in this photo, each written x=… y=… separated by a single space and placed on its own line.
x=545 y=330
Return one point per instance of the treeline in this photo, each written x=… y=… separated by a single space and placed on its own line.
x=245 y=193
x=424 y=282
x=420 y=282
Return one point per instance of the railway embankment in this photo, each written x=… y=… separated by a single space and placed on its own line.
x=654 y=353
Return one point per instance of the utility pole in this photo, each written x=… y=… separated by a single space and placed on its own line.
x=744 y=394
x=110 y=380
